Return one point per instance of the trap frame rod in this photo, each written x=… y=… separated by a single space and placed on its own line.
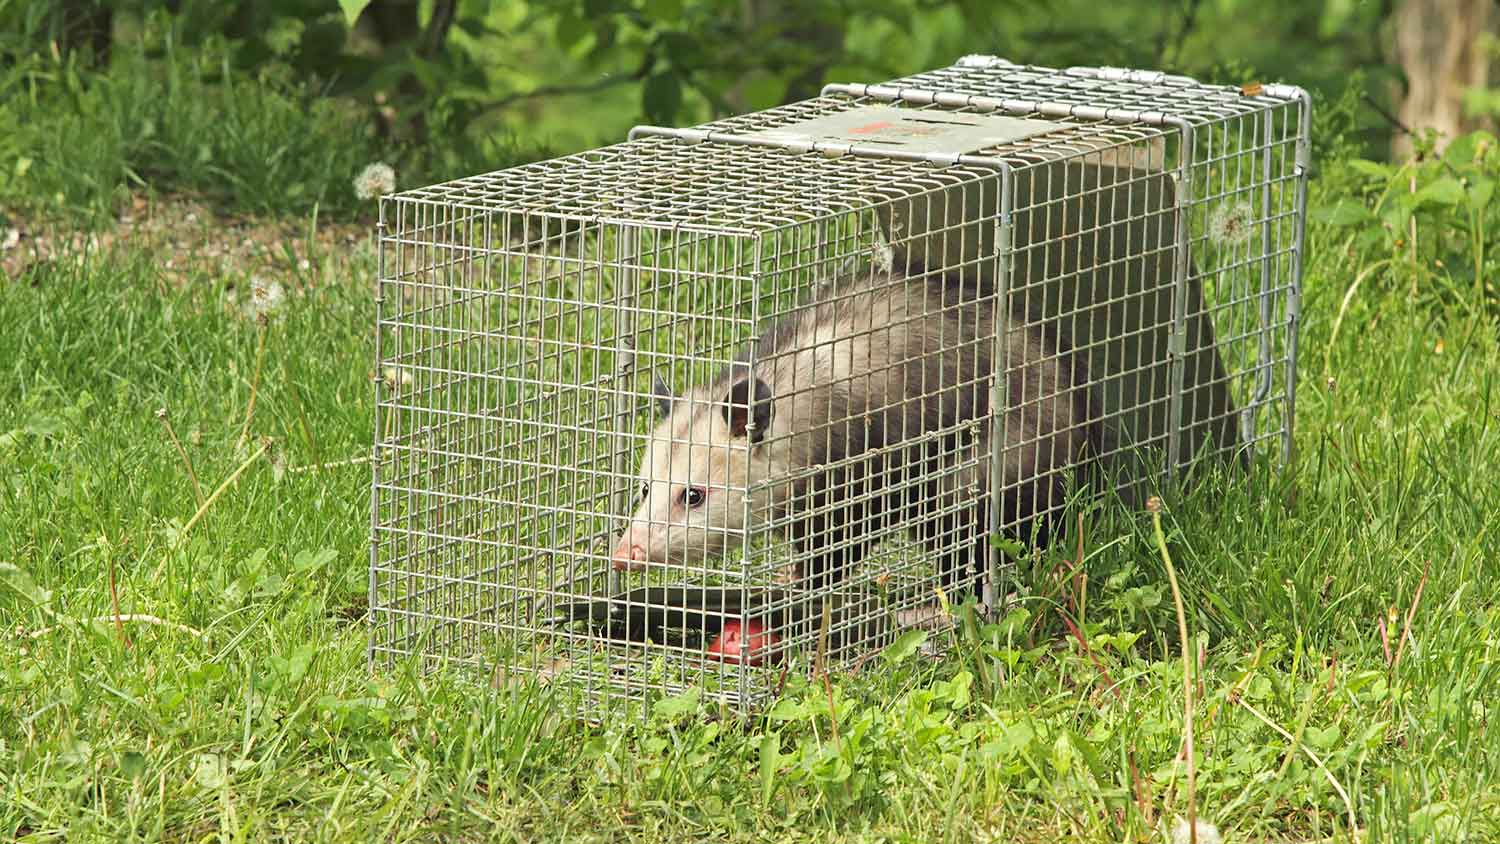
x=624 y=312
x=1046 y=108
x=1181 y=268
x=1107 y=74
x=1265 y=382
x=1301 y=167
x=380 y=316
x=757 y=275
x=994 y=587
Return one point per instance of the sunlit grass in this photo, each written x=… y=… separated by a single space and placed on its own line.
x=1349 y=608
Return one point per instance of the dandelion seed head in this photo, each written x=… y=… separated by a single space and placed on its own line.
x=396 y=377
x=266 y=297
x=1230 y=224
x=1207 y=833
x=375 y=180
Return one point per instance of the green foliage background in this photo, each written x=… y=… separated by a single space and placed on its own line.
x=444 y=88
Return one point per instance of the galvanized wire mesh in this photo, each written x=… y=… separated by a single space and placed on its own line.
x=710 y=404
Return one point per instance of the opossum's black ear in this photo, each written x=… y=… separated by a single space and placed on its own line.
x=748 y=402
x=662 y=396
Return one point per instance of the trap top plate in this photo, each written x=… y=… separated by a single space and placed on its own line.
x=912 y=130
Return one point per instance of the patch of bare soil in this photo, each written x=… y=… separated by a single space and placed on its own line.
x=188 y=237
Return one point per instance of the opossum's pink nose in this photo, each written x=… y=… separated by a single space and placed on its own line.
x=632 y=558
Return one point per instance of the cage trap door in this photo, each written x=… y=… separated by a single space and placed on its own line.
x=1093 y=248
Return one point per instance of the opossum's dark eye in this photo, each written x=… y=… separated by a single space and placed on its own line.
x=694 y=495
x=645 y=491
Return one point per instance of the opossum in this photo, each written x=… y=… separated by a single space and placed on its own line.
x=872 y=404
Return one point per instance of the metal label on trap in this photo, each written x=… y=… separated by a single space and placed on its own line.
x=913 y=130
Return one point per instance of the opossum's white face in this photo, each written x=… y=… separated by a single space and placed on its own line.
x=693 y=482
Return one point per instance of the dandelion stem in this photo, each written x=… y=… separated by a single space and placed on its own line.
x=120 y=619
x=1154 y=505
x=1343 y=795
x=182 y=452
x=114 y=597
x=319 y=467
x=228 y=482
x=260 y=357
x=1338 y=320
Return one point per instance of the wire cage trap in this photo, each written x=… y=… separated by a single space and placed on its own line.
x=692 y=409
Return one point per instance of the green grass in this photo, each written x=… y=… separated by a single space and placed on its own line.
x=250 y=714
x=84 y=142
x=167 y=117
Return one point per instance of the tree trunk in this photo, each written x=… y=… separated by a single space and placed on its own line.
x=1439 y=46
x=396 y=23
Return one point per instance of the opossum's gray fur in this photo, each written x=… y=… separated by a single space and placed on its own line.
x=853 y=380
